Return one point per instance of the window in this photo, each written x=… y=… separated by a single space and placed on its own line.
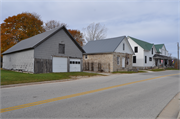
x=118 y=60
x=127 y=61
x=150 y=58
x=62 y=48
x=152 y=50
x=123 y=46
x=145 y=59
x=75 y=62
x=136 y=49
x=85 y=56
x=134 y=59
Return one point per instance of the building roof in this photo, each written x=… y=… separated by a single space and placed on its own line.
x=158 y=46
x=34 y=41
x=103 y=46
x=143 y=44
x=157 y=56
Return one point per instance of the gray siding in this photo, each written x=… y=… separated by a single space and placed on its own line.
x=50 y=47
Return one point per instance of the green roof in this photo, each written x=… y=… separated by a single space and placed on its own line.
x=143 y=44
x=158 y=46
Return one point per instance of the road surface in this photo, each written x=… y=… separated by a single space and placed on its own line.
x=142 y=95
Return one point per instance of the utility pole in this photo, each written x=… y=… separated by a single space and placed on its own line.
x=178 y=53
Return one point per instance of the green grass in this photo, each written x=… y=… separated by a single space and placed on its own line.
x=171 y=69
x=157 y=70
x=11 y=77
x=129 y=72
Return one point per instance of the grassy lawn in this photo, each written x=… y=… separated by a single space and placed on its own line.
x=129 y=72
x=171 y=69
x=11 y=77
x=157 y=70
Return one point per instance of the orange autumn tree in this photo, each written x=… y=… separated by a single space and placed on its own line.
x=19 y=27
x=78 y=36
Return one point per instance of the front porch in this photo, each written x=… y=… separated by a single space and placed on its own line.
x=162 y=61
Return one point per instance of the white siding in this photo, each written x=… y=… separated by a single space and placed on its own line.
x=164 y=51
x=127 y=47
x=149 y=54
x=167 y=54
x=23 y=60
x=139 y=55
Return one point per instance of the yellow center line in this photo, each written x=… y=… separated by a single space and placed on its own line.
x=75 y=95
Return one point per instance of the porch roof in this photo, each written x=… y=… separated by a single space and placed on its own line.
x=156 y=56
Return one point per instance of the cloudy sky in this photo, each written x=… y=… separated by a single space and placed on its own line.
x=154 y=21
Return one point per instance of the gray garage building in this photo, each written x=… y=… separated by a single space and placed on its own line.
x=52 y=51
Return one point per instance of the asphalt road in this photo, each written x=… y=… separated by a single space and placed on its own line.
x=122 y=96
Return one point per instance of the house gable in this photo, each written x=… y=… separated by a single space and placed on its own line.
x=124 y=44
x=139 y=55
x=158 y=46
x=50 y=46
x=161 y=49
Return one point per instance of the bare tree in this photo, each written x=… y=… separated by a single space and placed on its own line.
x=53 y=24
x=95 y=31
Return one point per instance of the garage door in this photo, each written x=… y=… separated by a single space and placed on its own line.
x=75 y=65
x=59 y=64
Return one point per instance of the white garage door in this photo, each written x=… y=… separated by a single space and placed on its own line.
x=75 y=65
x=59 y=64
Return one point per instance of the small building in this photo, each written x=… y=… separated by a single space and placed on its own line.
x=108 y=55
x=52 y=51
x=148 y=55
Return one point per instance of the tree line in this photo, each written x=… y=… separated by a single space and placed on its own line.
x=22 y=26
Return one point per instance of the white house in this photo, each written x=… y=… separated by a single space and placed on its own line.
x=147 y=54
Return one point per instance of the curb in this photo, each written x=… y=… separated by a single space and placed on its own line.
x=44 y=82
x=171 y=110
x=178 y=116
x=34 y=83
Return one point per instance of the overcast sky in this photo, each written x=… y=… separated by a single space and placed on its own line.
x=154 y=21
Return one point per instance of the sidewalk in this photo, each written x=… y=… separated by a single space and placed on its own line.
x=171 y=111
